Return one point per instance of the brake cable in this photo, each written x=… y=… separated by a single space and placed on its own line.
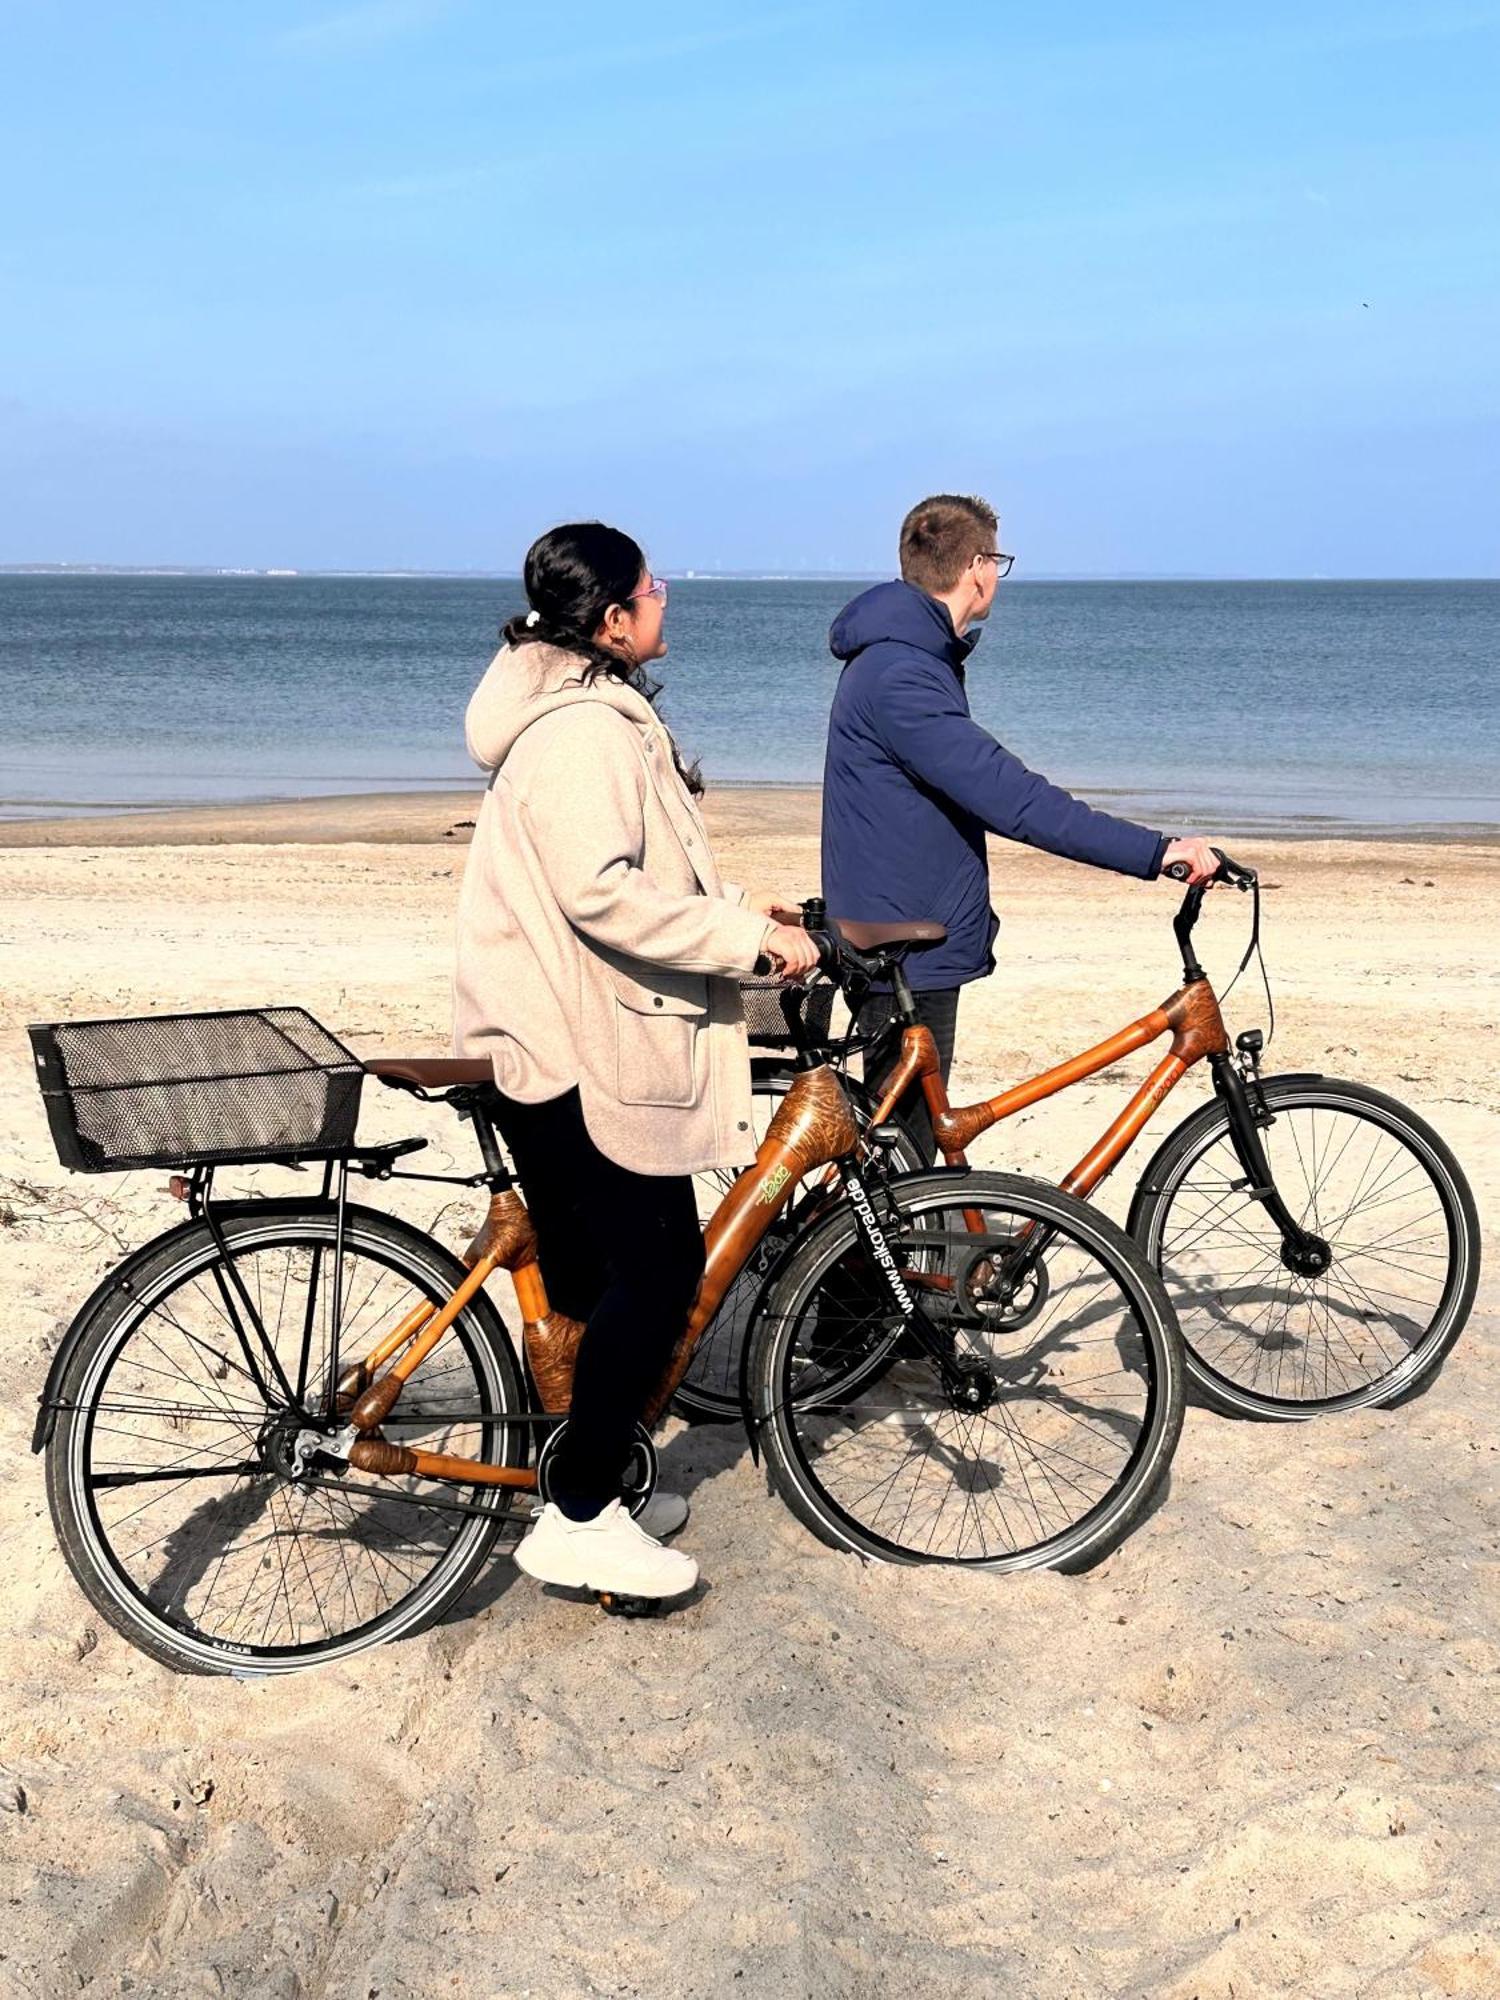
x=1253 y=950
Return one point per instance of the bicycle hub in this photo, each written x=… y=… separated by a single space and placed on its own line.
x=1309 y=1258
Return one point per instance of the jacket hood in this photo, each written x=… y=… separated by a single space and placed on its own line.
x=523 y=684
x=899 y=612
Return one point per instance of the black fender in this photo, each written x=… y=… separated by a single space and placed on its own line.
x=762 y=1296
x=1149 y=1182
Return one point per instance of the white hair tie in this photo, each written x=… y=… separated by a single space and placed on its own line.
x=533 y=618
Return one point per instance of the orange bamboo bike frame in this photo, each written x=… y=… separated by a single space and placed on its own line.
x=1191 y=1017
x=813 y=1126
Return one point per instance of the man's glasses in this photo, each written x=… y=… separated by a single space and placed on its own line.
x=1003 y=563
x=656 y=588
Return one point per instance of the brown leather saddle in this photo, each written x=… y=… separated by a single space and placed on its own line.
x=880 y=937
x=432 y=1072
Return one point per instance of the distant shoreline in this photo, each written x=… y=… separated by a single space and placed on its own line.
x=251 y=574
x=441 y=817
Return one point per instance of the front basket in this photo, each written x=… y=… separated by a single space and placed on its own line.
x=767 y=1016
x=185 y=1090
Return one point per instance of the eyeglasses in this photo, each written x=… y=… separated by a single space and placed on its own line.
x=1003 y=563
x=656 y=588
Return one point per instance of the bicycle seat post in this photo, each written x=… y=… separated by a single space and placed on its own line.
x=497 y=1177
x=902 y=996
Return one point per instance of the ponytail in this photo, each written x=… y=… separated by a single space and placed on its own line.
x=572 y=576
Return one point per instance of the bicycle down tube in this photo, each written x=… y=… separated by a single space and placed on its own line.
x=813 y=1127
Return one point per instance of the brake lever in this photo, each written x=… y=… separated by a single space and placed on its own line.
x=1233 y=873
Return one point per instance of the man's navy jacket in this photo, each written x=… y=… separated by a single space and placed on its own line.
x=912 y=784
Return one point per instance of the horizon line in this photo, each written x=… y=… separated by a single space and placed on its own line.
x=690 y=574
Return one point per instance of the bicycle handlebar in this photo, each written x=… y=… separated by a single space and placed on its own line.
x=1238 y=875
x=1228 y=870
x=834 y=956
x=838 y=960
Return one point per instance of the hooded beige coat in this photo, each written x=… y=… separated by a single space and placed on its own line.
x=597 y=946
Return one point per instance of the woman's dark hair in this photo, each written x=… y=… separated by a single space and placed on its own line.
x=572 y=575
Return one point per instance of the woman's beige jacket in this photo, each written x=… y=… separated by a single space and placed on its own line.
x=596 y=944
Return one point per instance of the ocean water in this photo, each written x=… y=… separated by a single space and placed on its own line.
x=1233 y=706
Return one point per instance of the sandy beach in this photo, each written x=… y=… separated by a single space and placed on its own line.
x=1251 y=1755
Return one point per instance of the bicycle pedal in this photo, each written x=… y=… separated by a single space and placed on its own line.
x=621 y=1604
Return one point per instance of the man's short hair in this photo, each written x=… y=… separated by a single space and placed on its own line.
x=941 y=536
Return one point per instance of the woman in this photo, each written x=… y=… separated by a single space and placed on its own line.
x=597 y=959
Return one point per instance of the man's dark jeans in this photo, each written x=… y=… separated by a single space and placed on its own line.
x=937 y=1011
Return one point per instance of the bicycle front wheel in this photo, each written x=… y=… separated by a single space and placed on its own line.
x=1379 y=1186
x=185 y=1496
x=1032 y=1394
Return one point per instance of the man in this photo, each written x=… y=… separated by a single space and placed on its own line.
x=912 y=784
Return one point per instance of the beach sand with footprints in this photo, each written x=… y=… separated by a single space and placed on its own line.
x=1252 y=1754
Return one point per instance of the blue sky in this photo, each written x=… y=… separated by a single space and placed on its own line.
x=399 y=283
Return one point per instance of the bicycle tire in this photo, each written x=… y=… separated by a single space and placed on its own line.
x=184 y=1256
x=1304 y=1390
x=778 y=1412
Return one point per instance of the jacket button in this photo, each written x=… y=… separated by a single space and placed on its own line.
x=657 y=1001
x=742 y=1126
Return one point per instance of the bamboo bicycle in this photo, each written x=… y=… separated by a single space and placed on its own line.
x=1318 y=1241
x=294 y=1427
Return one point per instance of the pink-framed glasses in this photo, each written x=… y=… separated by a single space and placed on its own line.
x=656 y=588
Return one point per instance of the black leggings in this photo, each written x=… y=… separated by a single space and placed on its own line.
x=621 y=1250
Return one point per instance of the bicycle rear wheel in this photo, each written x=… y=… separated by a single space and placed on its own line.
x=1024 y=1416
x=1379 y=1186
x=173 y=1472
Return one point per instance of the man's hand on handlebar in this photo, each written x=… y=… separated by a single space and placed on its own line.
x=1191 y=861
x=793 y=952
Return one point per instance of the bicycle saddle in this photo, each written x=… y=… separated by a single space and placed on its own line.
x=877 y=937
x=432 y=1072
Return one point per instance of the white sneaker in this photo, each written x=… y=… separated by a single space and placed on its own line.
x=611 y=1553
x=664 y=1515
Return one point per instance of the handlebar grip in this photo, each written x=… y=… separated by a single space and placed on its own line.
x=761 y=967
x=1228 y=870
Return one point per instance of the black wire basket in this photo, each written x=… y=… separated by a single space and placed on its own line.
x=770 y=1024
x=192 y=1090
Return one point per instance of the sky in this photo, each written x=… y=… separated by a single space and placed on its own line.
x=1181 y=289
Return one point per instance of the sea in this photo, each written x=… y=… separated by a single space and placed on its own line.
x=1315 y=707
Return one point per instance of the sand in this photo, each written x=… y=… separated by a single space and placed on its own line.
x=1252 y=1754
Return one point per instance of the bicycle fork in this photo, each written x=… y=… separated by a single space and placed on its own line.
x=1302 y=1252
x=969 y=1383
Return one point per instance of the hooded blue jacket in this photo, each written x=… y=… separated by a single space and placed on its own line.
x=912 y=784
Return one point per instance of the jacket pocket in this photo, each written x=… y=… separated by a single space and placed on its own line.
x=656 y=1036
